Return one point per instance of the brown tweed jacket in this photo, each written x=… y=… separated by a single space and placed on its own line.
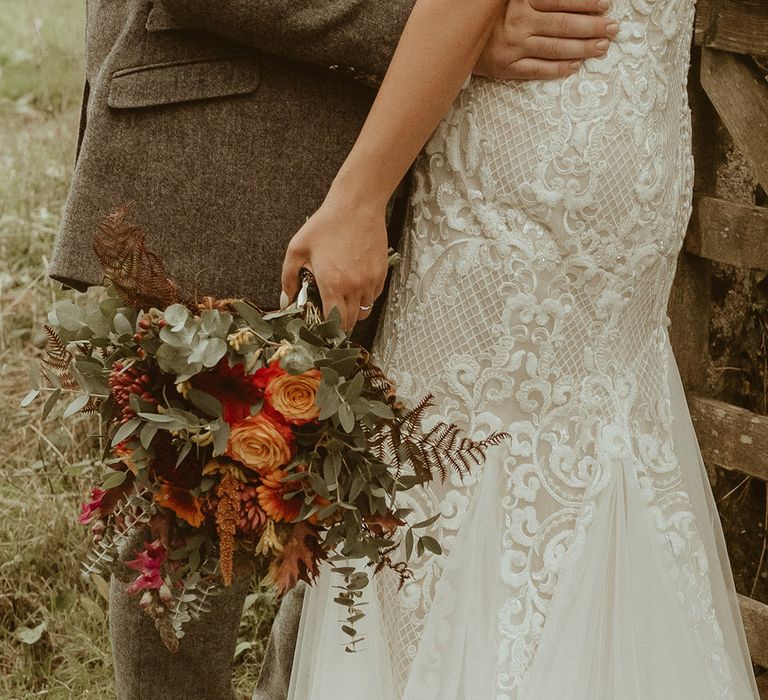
x=223 y=123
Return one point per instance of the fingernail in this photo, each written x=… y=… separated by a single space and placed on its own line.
x=604 y=5
x=612 y=29
x=602 y=45
x=284 y=300
x=575 y=66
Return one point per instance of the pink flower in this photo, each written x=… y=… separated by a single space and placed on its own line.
x=92 y=509
x=148 y=563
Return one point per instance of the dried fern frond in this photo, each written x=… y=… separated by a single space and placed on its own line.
x=440 y=450
x=58 y=359
x=93 y=405
x=378 y=381
x=138 y=274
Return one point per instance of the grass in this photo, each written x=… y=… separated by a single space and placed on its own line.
x=54 y=639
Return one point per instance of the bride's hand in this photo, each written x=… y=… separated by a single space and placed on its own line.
x=344 y=245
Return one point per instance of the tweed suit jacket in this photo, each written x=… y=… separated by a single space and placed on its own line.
x=224 y=123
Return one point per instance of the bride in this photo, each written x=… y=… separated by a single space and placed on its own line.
x=584 y=560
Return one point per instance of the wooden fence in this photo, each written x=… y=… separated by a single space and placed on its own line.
x=729 y=101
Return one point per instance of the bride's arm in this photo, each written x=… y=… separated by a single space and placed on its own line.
x=344 y=243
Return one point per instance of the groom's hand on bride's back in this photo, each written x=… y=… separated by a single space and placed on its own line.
x=546 y=39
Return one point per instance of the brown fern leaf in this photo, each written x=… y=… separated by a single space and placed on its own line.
x=93 y=406
x=378 y=381
x=58 y=359
x=56 y=349
x=138 y=274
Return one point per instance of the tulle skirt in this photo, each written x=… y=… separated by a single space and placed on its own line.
x=616 y=627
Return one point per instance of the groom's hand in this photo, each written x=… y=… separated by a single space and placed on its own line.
x=544 y=39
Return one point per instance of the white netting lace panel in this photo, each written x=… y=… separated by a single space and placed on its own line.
x=532 y=296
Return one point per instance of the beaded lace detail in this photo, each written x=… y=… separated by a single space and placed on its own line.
x=537 y=264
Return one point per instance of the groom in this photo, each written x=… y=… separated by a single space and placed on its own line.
x=225 y=122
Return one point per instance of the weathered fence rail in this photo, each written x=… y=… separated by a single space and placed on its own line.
x=725 y=80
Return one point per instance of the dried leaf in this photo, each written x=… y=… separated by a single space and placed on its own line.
x=138 y=275
x=299 y=558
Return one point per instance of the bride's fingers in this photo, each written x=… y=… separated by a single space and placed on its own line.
x=565 y=49
x=541 y=69
x=365 y=308
x=563 y=25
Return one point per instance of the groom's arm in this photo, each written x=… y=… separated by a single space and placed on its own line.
x=356 y=34
x=536 y=39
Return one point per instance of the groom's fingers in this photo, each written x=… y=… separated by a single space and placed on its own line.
x=564 y=25
x=565 y=49
x=581 y=6
x=541 y=69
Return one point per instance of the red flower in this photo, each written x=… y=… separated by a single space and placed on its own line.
x=262 y=377
x=92 y=509
x=103 y=503
x=236 y=390
x=148 y=563
x=187 y=475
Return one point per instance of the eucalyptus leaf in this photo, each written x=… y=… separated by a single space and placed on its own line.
x=427 y=522
x=330 y=404
x=431 y=544
x=346 y=417
x=176 y=315
x=408 y=544
x=380 y=409
x=354 y=388
x=183 y=453
x=76 y=404
x=125 y=430
x=332 y=469
x=114 y=479
x=148 y=431
x=207 y=403
x=122 y=325
x=253 y=318
x=30 y=396
x=220 y=439
x=69 y=315
x=51 y=401
x=216 y=348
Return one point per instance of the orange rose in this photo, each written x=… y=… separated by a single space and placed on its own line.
x=260 y=443
x=293 y=396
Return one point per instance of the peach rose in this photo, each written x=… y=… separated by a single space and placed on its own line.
x=260 y=443
x=293 y=396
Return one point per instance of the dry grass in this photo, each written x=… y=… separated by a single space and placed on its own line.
x=47 y=464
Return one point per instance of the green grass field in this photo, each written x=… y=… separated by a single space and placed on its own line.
x=54 y=640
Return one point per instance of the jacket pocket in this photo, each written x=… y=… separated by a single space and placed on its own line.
x=183 y=80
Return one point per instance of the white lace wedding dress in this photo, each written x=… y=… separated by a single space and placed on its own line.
x=585 y=559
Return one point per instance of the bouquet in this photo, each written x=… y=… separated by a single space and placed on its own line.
x=233 y=433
